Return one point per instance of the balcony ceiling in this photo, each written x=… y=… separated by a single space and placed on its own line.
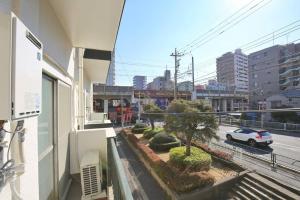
x=96 y=69
x=90 y=24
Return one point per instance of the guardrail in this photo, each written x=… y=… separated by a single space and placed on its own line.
x=263 y=124
x=273 y=159
x=116 y=175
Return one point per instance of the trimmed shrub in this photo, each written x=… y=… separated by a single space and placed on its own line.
x=149 y=133
x=163 y=142
x=179 y=181
x=199 y=160
x=183 y=182
x=139 y=128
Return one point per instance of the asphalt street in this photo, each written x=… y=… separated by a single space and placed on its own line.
x=284 y=145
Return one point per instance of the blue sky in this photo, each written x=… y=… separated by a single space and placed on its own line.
x=150 y=30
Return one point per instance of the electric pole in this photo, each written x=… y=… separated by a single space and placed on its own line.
x=176 y=55
x=193 y=74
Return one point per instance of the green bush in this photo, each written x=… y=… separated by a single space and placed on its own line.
x=139 y=128
x=198 y=160
x=163 y=142
x=149 y=133
x=183 y=182
x=140 y=125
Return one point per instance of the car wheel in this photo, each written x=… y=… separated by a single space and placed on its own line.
x=252 y=142
x=229 y=137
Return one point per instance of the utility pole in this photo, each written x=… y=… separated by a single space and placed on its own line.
x=193 y=74
x=176 y=55
x=139 y=115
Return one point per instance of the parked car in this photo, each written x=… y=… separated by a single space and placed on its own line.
x=251 y=136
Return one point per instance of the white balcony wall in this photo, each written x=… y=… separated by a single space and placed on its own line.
x=59 y=63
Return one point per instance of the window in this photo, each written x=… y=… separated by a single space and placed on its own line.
x=46 y=141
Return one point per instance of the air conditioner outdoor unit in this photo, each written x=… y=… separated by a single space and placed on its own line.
x=91 y=176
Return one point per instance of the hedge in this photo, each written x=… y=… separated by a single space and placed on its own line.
x=199 y=160
x=178 y=181
x=149 y=133
x=139 y=128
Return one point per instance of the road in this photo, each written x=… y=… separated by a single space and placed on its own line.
x=283 y=144
x=286 y=148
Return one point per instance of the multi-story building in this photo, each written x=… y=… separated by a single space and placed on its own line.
x=263 y=75
x=162 y=82
x=185 y=86
x=232 y=70
x=289 y=68
x=111 y=76
x=272 y=70
x=139 y=82
x=214 y=85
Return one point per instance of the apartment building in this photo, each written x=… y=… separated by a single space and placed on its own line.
x=263 y=75
x=162 y=82
x=289 y=67
x=232 y=70
x=51 y=53
x=139 y=82
x=272 y=70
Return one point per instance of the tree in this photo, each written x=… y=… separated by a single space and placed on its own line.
x=153 y=113
x=184 y=117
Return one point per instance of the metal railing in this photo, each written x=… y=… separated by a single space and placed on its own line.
x=264 y=124
x=273 y=159
x=116 y=174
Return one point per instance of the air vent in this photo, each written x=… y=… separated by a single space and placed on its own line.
x=90 y=168
x=33 y=40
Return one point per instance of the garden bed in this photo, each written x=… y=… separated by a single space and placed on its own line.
x=172 y=180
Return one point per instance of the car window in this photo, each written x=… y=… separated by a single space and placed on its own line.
x=238 y=131
x=264 y=133
x=246 y=131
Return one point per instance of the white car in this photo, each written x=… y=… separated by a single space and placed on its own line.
x=251 y=136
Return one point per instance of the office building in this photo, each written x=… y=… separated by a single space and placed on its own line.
x=139 y=82
x=232 y=70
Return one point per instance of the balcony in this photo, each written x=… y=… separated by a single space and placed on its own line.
x=98 y=135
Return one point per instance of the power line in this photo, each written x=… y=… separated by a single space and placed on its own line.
x=219 y=24
x=270 y=39
x=228 y=25
x=269 y=34
x=203 y=42
x=140 y=64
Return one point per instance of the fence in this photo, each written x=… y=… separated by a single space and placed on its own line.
x=117 y=177
x=262 y=124
x=273 y=159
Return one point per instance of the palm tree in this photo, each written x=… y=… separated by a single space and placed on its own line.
x=189 y=118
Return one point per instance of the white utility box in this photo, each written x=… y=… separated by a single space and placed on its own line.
x=20 y=70
x=91 y=176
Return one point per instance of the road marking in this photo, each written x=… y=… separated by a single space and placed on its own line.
x=286 y=145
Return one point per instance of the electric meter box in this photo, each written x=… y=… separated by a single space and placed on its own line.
x=20 y=70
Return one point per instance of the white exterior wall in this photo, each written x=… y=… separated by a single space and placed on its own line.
x=39 y=17
x=241 y=71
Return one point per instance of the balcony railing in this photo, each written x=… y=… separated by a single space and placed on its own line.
x=116 y=175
